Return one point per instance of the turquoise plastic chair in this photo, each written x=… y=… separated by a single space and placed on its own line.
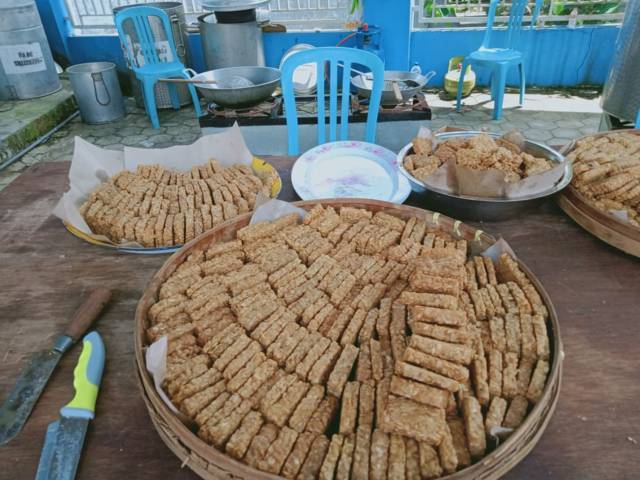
x=500 y=59
x=153 y=68
x=335 y=57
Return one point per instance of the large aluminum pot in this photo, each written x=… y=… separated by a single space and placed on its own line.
x=27 y=69
x=230 y=44
x=410 y=83
x=265 y=81
x=482 y=208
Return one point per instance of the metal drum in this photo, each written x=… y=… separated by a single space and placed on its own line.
x=230 y=44
x=175 y=11
x=27 y=69
x=97 y=91
x=621 y=95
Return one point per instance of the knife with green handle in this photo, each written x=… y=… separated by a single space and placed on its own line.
x=65 y=437
x=16 y=409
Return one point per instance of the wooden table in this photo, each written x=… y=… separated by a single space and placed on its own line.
x=44 y=271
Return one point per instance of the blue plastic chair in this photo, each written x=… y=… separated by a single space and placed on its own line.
x=500 y=59
x=153 y=68
x=335 y=56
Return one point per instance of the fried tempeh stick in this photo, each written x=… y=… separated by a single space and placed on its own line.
x=495 y=414
x=474 y=426
x=461 y=354
x=379 y=455
x=341 y=371
x=397 y=457
x=516 y=412
x=538 y=380
x=419 y=392
x=435 y=364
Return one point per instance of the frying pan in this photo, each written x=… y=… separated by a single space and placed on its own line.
x=409 y=84
x=262 y=82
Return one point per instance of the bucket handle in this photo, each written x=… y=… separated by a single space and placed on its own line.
x=180 y=46
x=97 y=77
x=428 y=76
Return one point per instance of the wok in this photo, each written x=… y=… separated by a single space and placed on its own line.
x=410 y=83
x=265 y=80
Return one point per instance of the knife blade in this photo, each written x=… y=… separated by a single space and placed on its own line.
x=25 y=393
x=65 y=437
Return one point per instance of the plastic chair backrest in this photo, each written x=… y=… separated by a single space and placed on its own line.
x=139 y=16
x=346 y=57
x=514 y=23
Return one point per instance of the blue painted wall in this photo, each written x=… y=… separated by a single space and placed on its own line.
x=107 y=48
x=556 y=56
x=53 y=13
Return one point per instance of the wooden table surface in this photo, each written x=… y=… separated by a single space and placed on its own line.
x=44 y=271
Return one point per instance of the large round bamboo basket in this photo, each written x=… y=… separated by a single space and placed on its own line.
x=210 y=463
x=604 y=225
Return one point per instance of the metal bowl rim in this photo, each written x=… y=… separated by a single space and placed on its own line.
x=423 y=80
x=564 y=181
x=240 y=89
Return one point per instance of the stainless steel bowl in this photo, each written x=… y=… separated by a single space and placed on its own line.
x=482 y=208
x=265 y=81
x=410 y=83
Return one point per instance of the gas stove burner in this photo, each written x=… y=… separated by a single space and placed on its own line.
x=271 y=112
x=417 y=103
x=268 y=108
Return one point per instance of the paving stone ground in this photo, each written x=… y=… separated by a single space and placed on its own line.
x=181 y=127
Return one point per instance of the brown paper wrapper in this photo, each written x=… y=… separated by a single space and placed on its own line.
x=490 y=183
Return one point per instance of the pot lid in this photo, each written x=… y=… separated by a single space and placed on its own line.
x=232 y=5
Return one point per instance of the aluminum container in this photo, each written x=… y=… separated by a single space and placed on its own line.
x=97 y=91
x=621 y=94
x=175 y=11
x=230 y=44
x=27 y=69
x=482 y=208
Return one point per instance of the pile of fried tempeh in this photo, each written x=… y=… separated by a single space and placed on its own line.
x=480 y=152
x=607 y=172
x=351 y=345
x=157 y=207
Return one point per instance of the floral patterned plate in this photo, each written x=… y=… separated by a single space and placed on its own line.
x=349 y=169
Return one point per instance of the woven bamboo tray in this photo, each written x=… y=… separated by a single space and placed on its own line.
x=603 y=225
x=209 y=463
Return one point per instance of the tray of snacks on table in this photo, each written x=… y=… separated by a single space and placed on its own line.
x=151 y=201
x=482 y=176
x=604 y=196
x=347 y=338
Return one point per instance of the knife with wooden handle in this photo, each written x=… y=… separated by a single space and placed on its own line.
x=25 y=393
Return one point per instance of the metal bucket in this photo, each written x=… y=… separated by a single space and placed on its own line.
x=175 y=11
x=97 y=91
x=230 y=44
x=27 y=69
x=621 y=94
